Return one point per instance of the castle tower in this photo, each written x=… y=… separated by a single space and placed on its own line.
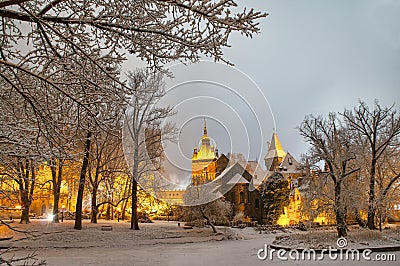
x=204 y=161
x=275 y=154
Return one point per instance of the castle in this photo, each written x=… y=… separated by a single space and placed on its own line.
x=208 y=165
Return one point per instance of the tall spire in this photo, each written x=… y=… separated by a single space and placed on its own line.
x=205 y=127
x=276 y=145
x=275 y=153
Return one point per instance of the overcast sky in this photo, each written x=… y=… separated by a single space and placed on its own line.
x=318 y=56
x=311 y=57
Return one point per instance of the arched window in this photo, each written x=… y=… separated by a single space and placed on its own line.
x=241 y=195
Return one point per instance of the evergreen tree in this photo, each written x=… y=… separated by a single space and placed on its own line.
x=275 y=192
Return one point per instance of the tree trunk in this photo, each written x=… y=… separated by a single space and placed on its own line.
x=123 y=209
x=371 y=198
x=56 y=179
x=339 y=211
x=108 y=212
x=125 y=202
x=213 y=227
x=95 y=186
x=55 y=207
x=208 y=220
x=134 y=217
x=25 y=215
x=26 y=188
x=25 y=208
x=95 y=209
x=79 y=200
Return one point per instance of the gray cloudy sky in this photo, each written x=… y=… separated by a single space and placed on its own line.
x=316 y=56
x=312 y=56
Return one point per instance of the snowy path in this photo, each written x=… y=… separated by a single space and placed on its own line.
x=240 y=252
x=156 y=244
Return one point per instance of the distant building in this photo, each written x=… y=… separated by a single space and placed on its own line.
x=42 y=203
x=173 y=196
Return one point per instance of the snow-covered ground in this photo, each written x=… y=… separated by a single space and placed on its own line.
x=357 y=238
x=161 y=243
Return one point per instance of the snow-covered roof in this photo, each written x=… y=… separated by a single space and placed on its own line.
x=237 y=179
x=234 y=174
x=289 y=164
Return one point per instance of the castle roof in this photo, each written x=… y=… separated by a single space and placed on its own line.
x=290 y=165
x=206 y=151
x=232 y=173
x=238 y=179
x=275 y=148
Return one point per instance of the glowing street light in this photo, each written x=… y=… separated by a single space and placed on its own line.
x=50 y=217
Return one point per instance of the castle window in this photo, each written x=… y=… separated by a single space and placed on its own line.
x=241 y=195
x=298 y=197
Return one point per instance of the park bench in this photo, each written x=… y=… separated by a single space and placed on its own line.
x=106 y=228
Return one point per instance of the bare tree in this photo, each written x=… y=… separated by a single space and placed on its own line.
x=61 y=138
x=157 y=31
x=387 y=180
x=376 y=130
x=107 y=160
x=143 y=129
x=21 y=146
x=82 y=178
x=102 y=105
x=212 y=213
x=331 y=143
x=72 y=33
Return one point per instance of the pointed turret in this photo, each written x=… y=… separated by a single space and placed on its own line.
x=194 y=153
x=275 y=153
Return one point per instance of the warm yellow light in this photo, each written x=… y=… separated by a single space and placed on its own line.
x=50 y=217
x=63 y=206
x=18 y=207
